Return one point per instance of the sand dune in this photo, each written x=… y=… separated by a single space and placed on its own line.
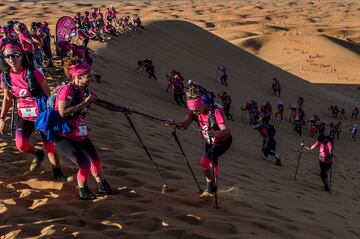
x=257 y=199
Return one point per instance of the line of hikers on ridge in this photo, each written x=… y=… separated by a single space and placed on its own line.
x=59 y=115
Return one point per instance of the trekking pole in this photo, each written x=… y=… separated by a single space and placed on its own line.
x=186 y=159
x=215 y=182
x=298 y=163
x=164 y=187
x=330 y=179
x=12 y=117
x=124 y=109
x=214 y=178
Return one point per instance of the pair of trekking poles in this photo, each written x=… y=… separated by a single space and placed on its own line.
x=126 y=113
x=298 y=164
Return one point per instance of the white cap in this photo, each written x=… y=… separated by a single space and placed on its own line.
x=190 y=82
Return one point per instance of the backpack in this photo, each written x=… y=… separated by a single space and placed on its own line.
x=212 y=124
x=50 y=102
x=34 y=87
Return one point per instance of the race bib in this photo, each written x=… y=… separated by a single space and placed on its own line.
x=28 y=112
x=80 y=127
x=82 y=130
x=27 y=108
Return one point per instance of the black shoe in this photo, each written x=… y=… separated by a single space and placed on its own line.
x=104 y=188
x=86 y=194
x=326 y=188
x=36 y=162
x=58 y=175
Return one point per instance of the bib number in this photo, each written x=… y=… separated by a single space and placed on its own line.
x=28 y=112
x=27 y=109
x=80 y=126
x=82 y=130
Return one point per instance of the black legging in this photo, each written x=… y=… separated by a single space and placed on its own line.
x=83 y=154
x=227 y=113
x=223 y=80
x=269 y=146
x=179 y=99
x=213 y=152
x=24 y=130
x=151 y=73
x=47 y=50
x=324 y=168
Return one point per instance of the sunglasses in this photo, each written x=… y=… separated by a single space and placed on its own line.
x=196 y=112
x=13 y=55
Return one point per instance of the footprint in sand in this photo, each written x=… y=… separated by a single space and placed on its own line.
x=307 y=211
x=3 y=208
x=12 y=234
x=112 y=224
x=38 y=203
x=128 y=192
x=221 y=227
x=190 y=218
x=274 y=207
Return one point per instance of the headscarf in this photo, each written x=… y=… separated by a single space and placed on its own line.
x=79 y=69
x=12 y=47
x=195 y=103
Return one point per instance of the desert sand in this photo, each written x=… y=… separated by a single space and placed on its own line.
x=311 y=46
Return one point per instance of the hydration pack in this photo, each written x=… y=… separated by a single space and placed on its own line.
x=33 y=85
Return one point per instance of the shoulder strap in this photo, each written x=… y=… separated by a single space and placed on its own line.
x=6 y=79
x=32 y=83
x=212 y=119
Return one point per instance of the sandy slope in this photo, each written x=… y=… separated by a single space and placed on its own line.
x=257 y=198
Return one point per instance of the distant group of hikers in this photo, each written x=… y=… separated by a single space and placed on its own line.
x=59 y=115
x=259 y=119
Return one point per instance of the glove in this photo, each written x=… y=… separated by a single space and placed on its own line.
x=302 y=144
